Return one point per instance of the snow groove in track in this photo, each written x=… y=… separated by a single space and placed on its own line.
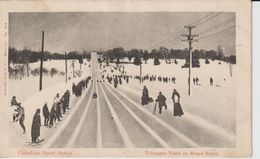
x=64 y=124
x=78 y=128
x=125 y=137
x=99 y=134
x=199 y=121
x=143 y=124
x=184 y=138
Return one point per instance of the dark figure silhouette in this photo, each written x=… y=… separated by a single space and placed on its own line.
x=211 y=81
x=46 y=114
x=21 y=117
x=162 y=102
x=197 y=81
x=36 y=125
x=176 y=103
x=145 y=96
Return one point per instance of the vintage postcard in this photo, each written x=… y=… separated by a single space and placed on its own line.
x=142 y=78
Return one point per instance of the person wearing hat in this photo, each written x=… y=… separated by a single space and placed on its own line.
x=145 y=96
x=161 y=100
x=36 y=125
x=14 y=106
x=176 y=103
x=46 y=114
x=56 y=99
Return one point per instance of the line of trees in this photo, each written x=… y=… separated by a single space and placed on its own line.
x=28 y=56
x=117 y=54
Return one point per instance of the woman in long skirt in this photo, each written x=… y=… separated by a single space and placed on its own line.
x=145 y=96
x=36 y=125
x=177 y=106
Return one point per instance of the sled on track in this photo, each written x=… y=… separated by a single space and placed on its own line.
x=94 y=95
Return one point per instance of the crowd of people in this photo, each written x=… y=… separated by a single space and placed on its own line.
x=196 y=81
x=59 y=107
x=77 y=89
x=146 y=99
x=156 y=78
x=51 y=116
x=117 y=79
x=161 y=101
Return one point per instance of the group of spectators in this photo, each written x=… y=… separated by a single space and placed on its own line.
x=155 y=78
x=117 y=79
x=196 y=81
x=161 y=101
x=51 y=117
x=77 y=89
x=59 y=108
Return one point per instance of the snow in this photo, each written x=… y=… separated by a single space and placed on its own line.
x=212 y=104
x=27 y=92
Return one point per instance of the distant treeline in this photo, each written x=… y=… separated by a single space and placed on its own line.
x=29 y=56
x=26 y=55
x=163 y=53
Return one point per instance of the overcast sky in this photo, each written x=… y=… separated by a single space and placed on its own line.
x=105 y=30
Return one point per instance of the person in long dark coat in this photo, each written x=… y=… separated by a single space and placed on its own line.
x=36 y=125
x=59 y=110
x=46 y=114
x=162 y=102
x=52 y=116
x=115 y=82
x=67 y=99
x=74 y=87
x=145 y=96
x=176 y=102
x=63 y=103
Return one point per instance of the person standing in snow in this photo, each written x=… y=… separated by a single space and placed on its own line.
x=63 y=103
x=197 y=81
x=53 y=116
x=36 y=125
x=74 y=87
x=56 y=99
x=21 y=117
x=120 y=80
x=14 y=106
x=211 y=81
x=46 y=114
x=162 y=102
x=145 y=96
x=176 y=103
x=59 y=107
x=115 y=82
x=67 y=99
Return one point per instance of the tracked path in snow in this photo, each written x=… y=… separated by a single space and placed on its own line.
x=115 y=119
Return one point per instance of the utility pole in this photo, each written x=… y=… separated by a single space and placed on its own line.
x=41 y=65
x=66 y=70
x=140 y=71
x=73 y=65
x=190 y=39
